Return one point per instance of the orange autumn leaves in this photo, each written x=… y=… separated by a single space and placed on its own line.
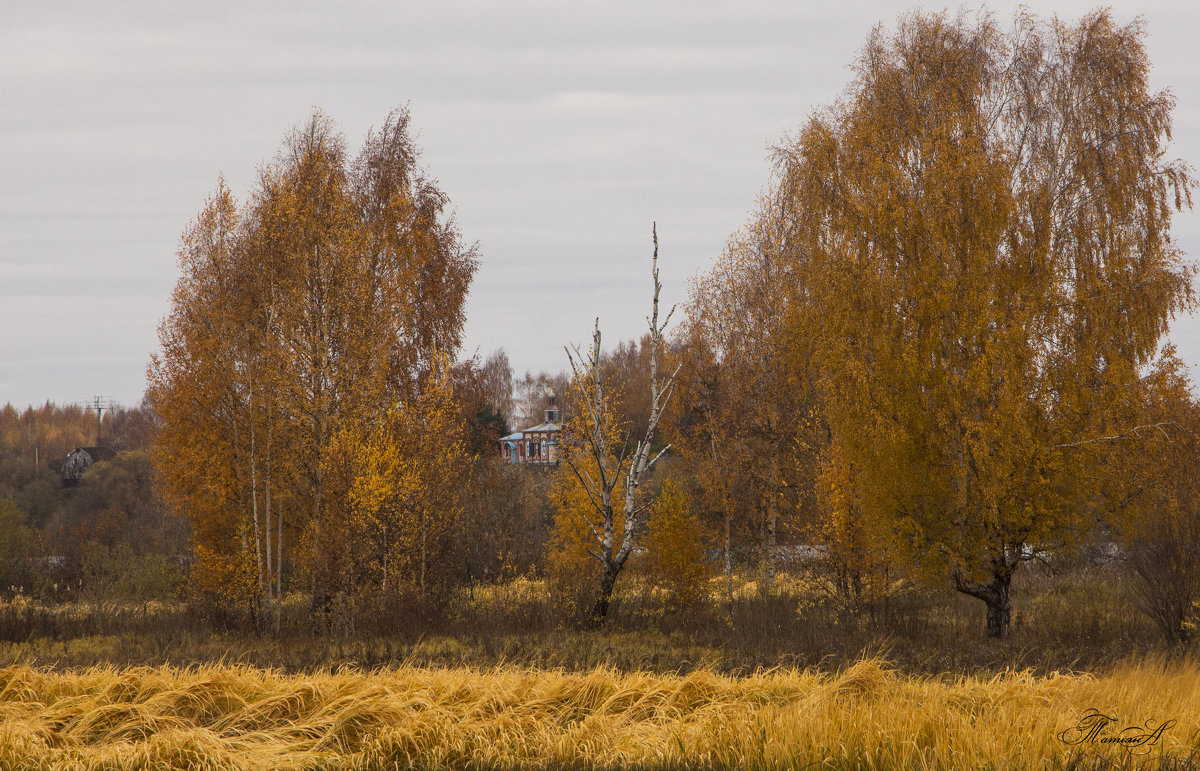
x=302 y=343
x=954 y=290
x=984 y=256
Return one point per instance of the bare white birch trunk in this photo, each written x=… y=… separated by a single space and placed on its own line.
x=587 y=378
x=258 y=555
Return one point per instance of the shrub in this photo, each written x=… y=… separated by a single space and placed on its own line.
x=676 y=541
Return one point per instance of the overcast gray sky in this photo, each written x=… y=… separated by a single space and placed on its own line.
x=559 y=130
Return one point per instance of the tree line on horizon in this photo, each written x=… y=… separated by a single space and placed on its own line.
x=935 y=350
x=108 y=536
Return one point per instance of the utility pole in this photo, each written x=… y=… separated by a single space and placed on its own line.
x=101 y=405
x=33 y=437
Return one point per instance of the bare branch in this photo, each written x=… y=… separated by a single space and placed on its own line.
x=644 y=506
x=587 y=487
x=1118 y=437
x=634 y=464
x=654 y=460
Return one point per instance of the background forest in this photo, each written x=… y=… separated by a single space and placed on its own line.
x=922 y=400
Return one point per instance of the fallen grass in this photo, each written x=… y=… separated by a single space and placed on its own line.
x=867 y=716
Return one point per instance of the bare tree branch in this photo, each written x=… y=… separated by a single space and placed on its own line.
x=632 y=466
x=1118 y=437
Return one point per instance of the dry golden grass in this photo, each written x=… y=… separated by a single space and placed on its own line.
x=865 y=717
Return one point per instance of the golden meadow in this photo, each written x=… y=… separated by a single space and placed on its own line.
x=499 y=683
x=866 y=716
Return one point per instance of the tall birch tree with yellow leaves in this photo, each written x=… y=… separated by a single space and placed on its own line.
x=984 y=254
x=320 y=305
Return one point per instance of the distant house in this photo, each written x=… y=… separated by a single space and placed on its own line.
x=80 y=460
x=537 y=445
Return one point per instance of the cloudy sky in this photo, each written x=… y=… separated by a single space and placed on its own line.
x=559 y=130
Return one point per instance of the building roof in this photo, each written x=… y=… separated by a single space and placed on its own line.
x=549 y=426
x=512 y=437
x=96 y=453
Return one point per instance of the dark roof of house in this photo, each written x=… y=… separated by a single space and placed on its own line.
x=98 y=453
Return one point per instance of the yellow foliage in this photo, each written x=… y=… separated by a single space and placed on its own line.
x=218 y=577
x=573 y=558
x=676 y=539
x=861 y=547
x=404 y=496
x=299 y=320
x=981 y=252
x=572 y=567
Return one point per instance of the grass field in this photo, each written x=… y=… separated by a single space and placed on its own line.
x=866 y=716
x=1075 y=620
x=495 y=679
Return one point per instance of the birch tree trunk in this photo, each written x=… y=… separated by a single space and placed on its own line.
x=598 y=421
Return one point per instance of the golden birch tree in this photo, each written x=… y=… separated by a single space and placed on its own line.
x=319 y=304
x=984 y=252
x=1157 y=514
x=574 y=545
x=198 y=449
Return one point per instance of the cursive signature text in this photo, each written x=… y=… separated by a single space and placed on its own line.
x=1095 y=727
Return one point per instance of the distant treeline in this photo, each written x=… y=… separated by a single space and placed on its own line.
x=105 y=538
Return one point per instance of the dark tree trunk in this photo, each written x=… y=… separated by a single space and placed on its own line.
x=995 y=594
x=999 y=611
x=728 y=549
x=607 y=582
